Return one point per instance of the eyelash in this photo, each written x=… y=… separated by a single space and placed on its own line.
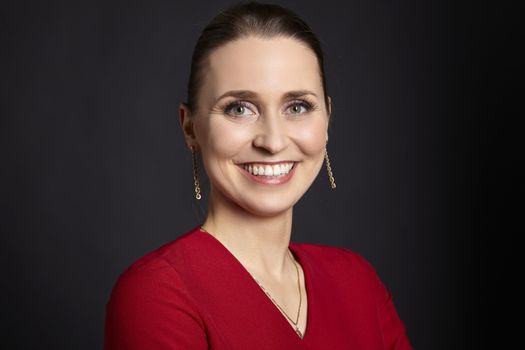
x=309 y=106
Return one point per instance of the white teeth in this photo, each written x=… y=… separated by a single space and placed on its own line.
x=268 y=170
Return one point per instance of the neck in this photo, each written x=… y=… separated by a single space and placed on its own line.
x=260 y=243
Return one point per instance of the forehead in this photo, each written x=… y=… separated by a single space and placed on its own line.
x=267 y=66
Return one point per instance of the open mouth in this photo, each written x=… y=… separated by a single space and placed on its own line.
x=268 y=169
x=275 y=173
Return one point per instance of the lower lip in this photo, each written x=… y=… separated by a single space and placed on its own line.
x=270 y=180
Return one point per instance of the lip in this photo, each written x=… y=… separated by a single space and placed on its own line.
x=269 y=180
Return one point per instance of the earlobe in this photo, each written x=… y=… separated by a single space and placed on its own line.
x=187 y=125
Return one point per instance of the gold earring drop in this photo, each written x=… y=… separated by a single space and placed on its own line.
x=329 y=170
x=196 y=184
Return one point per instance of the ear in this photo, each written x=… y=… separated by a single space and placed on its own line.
x=187 y=125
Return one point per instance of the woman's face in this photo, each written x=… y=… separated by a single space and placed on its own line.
x=261 y=123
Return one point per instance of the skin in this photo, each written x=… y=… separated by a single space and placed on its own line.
x=254 y=220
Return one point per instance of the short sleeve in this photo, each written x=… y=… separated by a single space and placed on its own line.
x=394 y=330
x=150 y=308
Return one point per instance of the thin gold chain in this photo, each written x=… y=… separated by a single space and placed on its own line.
x=273 y=300
x=300 y=297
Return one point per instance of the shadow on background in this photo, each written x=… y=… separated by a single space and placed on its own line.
x=95 y=172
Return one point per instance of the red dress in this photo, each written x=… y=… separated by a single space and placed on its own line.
x=192 y=293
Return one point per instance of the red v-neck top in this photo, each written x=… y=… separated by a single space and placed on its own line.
x=192 y=293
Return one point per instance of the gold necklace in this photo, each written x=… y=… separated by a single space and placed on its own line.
x=300 y=298
x=273 y=300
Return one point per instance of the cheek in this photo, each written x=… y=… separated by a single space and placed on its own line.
x=222 y=139
x=311 y=136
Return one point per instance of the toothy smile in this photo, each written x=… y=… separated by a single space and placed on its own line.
x=259 y=169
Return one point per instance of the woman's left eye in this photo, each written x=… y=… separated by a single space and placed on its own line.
x=299 y=107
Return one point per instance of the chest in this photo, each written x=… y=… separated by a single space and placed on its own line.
x=239 y=315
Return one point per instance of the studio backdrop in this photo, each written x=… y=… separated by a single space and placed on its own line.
x=95 y=172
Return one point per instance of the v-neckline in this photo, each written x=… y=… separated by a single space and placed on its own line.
x=307 y=285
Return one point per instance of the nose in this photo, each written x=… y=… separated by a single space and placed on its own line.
x=271 y=134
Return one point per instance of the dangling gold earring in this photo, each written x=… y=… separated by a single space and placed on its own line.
x=196 y=184
x=329 y=169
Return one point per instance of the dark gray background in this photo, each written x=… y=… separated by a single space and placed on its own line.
x=95 y=172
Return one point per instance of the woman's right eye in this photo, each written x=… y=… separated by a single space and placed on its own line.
x=238 y=109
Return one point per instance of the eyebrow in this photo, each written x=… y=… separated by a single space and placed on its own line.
x=252 y=94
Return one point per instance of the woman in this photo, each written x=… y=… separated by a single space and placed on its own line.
x=258 y=114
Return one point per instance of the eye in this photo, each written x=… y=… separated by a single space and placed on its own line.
x=300 y=107
x=238 y=109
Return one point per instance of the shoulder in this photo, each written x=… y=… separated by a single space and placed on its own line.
x=358 y=284
x=349 y=269
x=156 y=275
x=167 y=257
x=335 y=256
x=341 y=264
x=146 y=297
x=151 y=279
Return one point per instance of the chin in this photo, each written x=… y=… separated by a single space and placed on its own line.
x=267 y=210
x=267 y=206
x=261 y=202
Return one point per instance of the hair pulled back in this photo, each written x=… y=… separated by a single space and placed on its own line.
x=244 y=20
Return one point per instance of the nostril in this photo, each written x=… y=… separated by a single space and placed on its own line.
x=270 y=144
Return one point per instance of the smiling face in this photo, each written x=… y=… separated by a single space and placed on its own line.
x=261 y=123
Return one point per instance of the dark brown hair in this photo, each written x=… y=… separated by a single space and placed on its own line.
x=249 y=19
